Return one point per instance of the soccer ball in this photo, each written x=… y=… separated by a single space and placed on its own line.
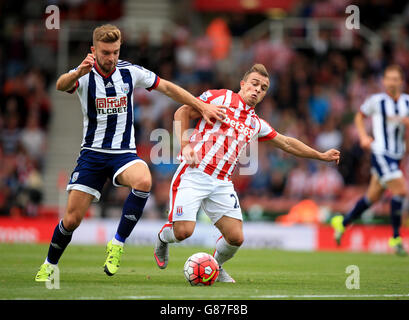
x=201 y=269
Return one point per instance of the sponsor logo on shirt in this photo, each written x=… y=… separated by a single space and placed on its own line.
x=239 y=126
x=111 y=105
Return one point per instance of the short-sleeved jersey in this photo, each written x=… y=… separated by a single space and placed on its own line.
x=107 y=106
x=219 y=145
x=388 y=131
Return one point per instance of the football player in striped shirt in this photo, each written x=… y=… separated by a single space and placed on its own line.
x=389 y=113
x=209 y=157
x=105 y=86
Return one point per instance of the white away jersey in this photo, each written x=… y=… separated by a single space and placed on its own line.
x=388 y=131
x=219 y=145
x=107 y=106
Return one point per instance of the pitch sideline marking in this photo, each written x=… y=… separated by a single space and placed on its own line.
x=277 y=296
x=333 y=296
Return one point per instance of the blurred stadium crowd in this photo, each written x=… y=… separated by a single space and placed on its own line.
x=313 y=96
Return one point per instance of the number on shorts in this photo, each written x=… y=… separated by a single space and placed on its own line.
x=236 y=203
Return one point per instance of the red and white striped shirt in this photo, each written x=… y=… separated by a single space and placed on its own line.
x=219 y=145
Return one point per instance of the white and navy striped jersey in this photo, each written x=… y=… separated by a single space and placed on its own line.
x=107 y=106
x=388 y=131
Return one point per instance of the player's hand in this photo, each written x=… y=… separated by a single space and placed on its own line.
x=190 y=156
x=331 y=155
x=86 y=65
x=213 y=112
x=366 y=142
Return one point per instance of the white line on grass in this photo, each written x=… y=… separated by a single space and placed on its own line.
x=141 y=297
x=332 y=296
x=275 y=296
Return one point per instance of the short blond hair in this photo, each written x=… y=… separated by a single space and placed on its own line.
x=394 y=67
x=106 y=33
x=258 y=68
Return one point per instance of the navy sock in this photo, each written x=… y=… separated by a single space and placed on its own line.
x=396 y=213
x=131 y=212
x=356 y=212
x=60 y=240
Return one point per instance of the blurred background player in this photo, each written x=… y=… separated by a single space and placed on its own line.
x=209 y=158
x=389 y=111
x=105 y=86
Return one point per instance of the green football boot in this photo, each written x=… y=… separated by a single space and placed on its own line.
x=45 y=273
x=339 y=229
x=113 y=260
x=396 y=245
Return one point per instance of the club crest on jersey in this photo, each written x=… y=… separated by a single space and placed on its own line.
x=179 y=210
x=252 y=123
x=125 y=88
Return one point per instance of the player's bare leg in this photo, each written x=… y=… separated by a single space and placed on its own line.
x=227 y=245
x=183 y=229
x=399 y=192
x=375 y=189
x=138 y=177
x=77 y=206
x=170 y=233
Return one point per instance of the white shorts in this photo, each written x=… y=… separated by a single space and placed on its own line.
x=191 y=189
x=385 y=168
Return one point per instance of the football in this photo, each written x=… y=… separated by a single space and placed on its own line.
x=201 y=269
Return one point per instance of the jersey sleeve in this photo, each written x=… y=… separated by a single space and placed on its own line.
x=367 y=108
x=144 y=78
x=266 y=131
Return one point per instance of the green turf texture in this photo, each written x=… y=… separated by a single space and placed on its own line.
x=260 y=274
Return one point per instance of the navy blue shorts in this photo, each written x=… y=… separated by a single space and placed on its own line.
x=94 y=168
x=386 y=168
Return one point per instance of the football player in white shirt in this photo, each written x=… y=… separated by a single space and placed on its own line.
x=210 y=156
x=105 y=87
x=389 y=111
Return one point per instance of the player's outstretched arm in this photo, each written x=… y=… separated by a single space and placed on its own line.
x=300 y=149
x=180 y=95
x=364 y=139
x=182 y=119
x=66 y=82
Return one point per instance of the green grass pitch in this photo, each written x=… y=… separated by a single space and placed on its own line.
x=260 y=274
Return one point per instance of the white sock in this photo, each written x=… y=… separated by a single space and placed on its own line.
x=224 y=251
x=166 y=234
x=117 y=242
